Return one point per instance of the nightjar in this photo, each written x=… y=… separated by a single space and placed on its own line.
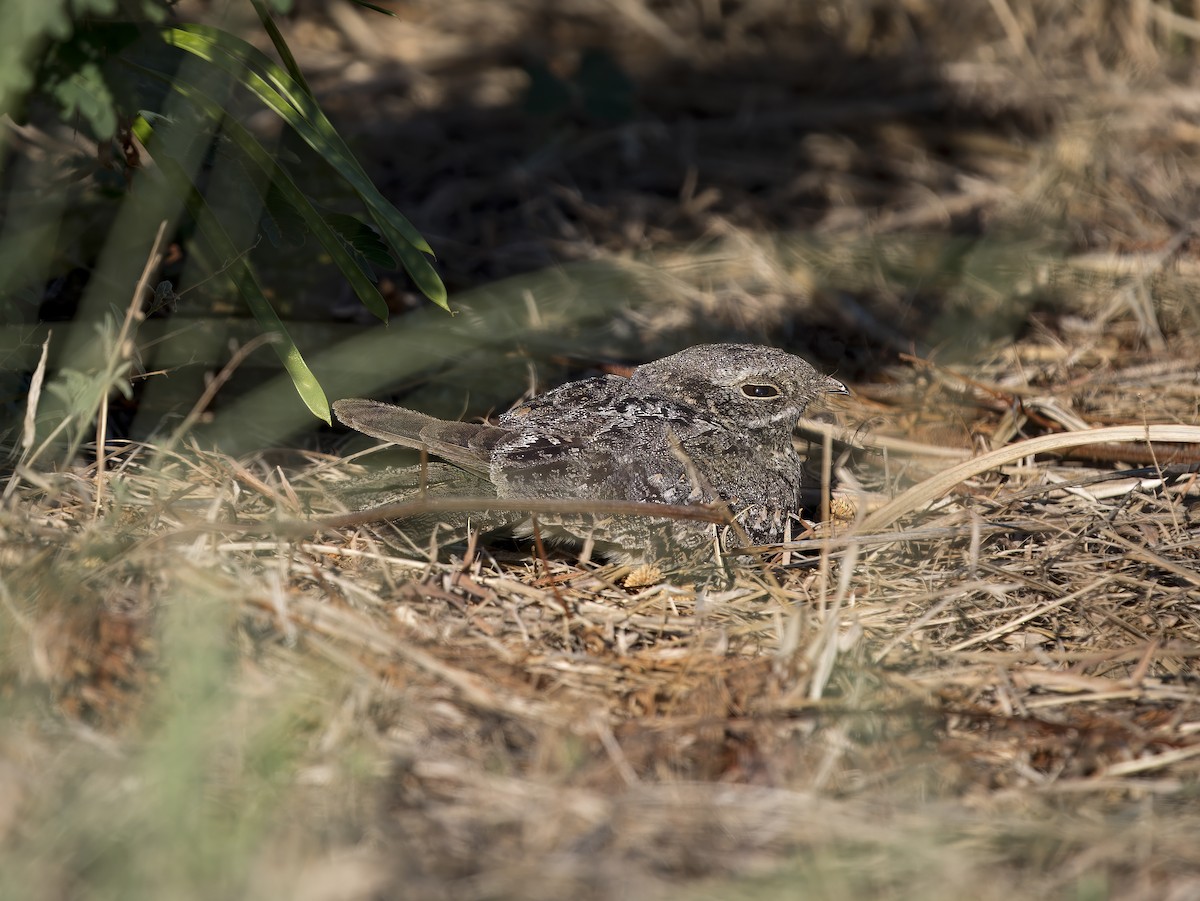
x=710 y=423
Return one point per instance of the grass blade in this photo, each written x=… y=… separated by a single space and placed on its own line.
x=281 y=93
x=283 y=182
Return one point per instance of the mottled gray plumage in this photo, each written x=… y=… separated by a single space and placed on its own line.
x=710 y=423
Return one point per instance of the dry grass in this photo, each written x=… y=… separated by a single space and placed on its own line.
x=1002 y=691
x=991 y=692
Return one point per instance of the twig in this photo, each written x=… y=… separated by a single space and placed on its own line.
x=133 y=313
x=925 y=492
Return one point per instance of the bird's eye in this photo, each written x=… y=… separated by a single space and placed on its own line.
x=760 y=391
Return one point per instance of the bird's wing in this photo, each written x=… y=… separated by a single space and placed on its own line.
x=637 y=449
x=464 y=444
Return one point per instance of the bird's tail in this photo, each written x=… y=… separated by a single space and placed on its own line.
x=464 y=444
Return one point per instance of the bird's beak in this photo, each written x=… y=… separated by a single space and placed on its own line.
x=833 y=386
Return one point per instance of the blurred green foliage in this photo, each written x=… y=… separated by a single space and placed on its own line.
x=162 y=102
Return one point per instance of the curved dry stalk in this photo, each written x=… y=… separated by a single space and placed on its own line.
x=714 y=513
x=934 y=487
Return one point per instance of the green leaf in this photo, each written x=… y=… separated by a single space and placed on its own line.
x=277 y=39
x=286 y=189
x=372 y=6
x=24 y=29
x=282 y=224
x=152 y=11
x=361 y=241
x=423 y=275
x=73 y=74
x=281 y=93
x=85 y=94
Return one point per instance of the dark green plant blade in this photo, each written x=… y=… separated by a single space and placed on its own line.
x=280 y=92
x=372 y=6
x=361 y=241
x=287 y=188
x=281 y=46
x=274 y=87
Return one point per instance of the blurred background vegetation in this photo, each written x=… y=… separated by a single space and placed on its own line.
x=864 y=182
x=125 y=120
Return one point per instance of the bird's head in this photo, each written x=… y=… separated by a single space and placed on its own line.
x=747 y=388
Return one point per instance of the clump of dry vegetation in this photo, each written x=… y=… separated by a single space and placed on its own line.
x=973 y=678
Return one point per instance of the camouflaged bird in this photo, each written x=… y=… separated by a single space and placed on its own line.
x=710 y=423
